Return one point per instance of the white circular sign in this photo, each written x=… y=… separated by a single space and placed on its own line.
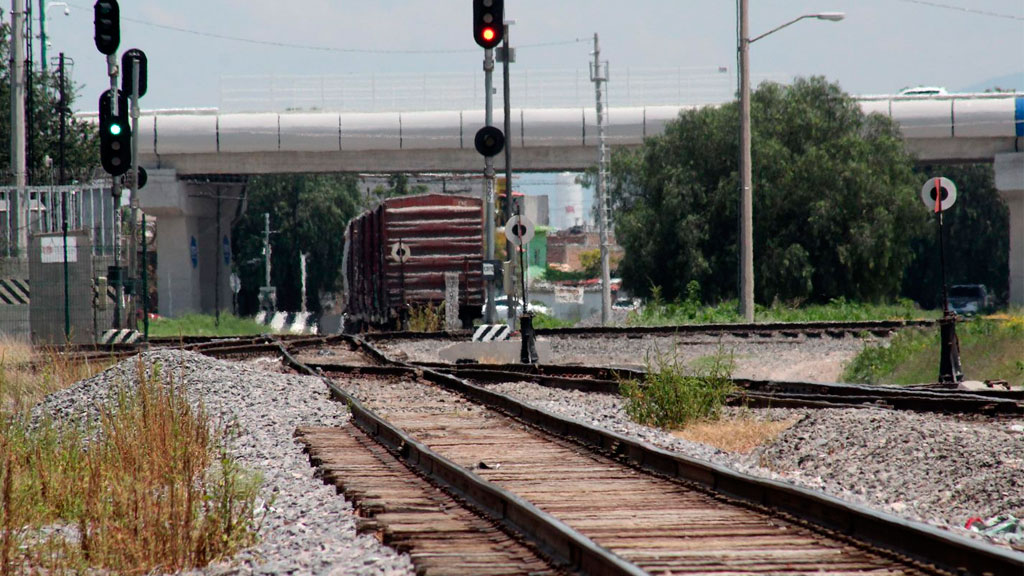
x=938 y=194
x=519 y=230
x=400 y=252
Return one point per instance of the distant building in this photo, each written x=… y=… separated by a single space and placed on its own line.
x=565 y=247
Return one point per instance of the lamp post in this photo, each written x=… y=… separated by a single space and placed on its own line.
x=42 y=26
x=746 y=295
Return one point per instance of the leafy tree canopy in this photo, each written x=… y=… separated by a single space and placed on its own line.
x=42 y=107
x=308 y=215
x=977 y=238
x=835 y=203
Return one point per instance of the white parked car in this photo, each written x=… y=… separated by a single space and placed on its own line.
x=923 y=91
x=501 y=306
x=626 y=304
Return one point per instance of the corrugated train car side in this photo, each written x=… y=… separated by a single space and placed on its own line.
x=442 y=233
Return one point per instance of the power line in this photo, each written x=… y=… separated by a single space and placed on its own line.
x=963 y=9
x=331 y=48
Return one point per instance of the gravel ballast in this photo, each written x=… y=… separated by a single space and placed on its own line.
x=308 y=528
x=936 y=469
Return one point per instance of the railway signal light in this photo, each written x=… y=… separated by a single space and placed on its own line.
x=489 y=141
x=488 y=25
x=115 y=135
x=127 y=71
x=107 y=23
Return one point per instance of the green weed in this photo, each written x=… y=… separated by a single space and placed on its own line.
x=426 y=318
x=989 y=350
x=672 y=396
x=205 y=325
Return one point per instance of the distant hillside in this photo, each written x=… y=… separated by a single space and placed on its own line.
x=1013 y=81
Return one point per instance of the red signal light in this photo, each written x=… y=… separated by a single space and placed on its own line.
x=488 y=16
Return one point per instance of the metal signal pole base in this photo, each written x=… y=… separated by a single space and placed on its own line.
x=403 y=318
x=528 y=351
x=950 y=371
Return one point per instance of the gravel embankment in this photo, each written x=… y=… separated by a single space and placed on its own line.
x=937 y=469
x=308 y=529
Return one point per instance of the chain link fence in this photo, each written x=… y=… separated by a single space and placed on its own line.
x=409 y=92
x=54 y=285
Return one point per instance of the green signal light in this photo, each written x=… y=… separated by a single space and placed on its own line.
x=115 y=129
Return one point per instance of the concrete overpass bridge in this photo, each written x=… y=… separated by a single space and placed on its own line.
x=195 y=157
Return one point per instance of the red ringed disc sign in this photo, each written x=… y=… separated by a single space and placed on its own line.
x=938 y=194
x=519 y=230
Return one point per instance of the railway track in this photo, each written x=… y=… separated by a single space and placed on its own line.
x=752 y=393
x=580 y=498
x=410 y=514
x=761 y=393
x=748 y=330
x=581 y=492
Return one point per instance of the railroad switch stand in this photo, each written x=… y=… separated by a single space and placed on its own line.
x=528 y=350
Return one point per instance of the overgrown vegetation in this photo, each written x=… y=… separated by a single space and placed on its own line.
x=990 y=349
x=673 y=395
x=426 y=318
x=658 y=312
x=27 y=374
x=149 y=489
x=205 y=325
x=544 y=321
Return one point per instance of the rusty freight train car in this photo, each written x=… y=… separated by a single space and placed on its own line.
x=397 y=254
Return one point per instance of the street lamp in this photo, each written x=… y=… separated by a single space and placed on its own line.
x=42 y=25
x=746 y=239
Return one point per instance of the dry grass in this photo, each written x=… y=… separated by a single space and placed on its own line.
x=28 y=374
x=739 y=434
x=150 y=489
x=426 y=317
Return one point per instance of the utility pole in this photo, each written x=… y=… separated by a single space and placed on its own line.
x=64 y=196
x=43 y=64
x=266 y=248
x=490 y=312
x=133 y=255
x=269 y=299
x=268 y=295
x=115 y=191
x=17 y=68
x=30 y=176
x=302 y=270
x=599 y=76
x=746 y=239
x=507 y=57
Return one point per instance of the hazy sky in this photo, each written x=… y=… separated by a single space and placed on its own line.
x=881 y=46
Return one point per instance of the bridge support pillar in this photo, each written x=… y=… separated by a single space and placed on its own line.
x=192 y=269
x=1009 y=169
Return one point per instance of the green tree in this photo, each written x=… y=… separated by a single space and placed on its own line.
x=81 y=150
x=308 y=215
x=834 y=205
x=977 y=238
x=398 y=185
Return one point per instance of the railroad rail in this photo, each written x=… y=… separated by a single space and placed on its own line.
x=410 y=514
x=657 y=510
x=745 y=330
x=995 y=401
x=760 y=393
